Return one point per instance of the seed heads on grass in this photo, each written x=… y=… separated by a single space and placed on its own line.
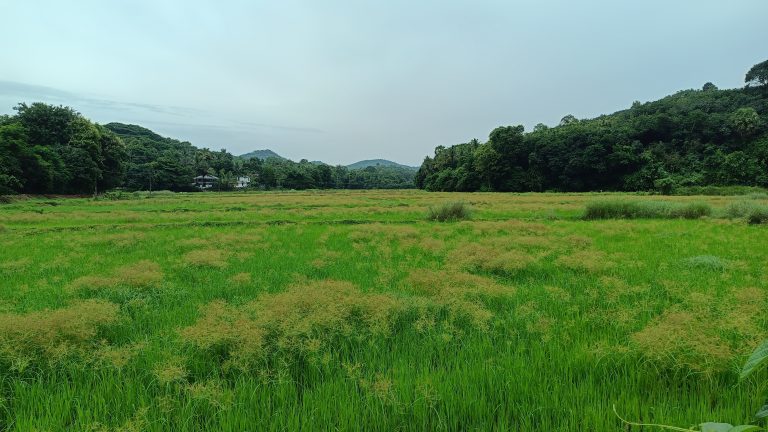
x=585 y=260
x=475 y=257
x=142 y=274
x=215 y=258
x=171 y=371
x=241 y=278
x=292 y=321
x=54 y=335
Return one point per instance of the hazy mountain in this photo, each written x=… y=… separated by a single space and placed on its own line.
x=261 y=154
x=378 y=162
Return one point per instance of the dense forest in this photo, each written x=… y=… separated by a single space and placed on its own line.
x=53 y=149
x=692 y=138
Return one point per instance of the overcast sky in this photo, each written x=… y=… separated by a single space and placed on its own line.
x=343 y=81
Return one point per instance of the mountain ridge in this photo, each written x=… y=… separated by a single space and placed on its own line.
x=264 y=154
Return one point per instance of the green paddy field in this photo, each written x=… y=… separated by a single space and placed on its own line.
x=350 y=311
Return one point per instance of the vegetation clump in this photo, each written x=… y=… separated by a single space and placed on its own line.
x=215 y=258
x=622 y=209
x=449 y=212
x=704 y=333
x=708 y=262
x=54 y=335
x=303 y=319
x=487 y=258
x=751 y=211
x=142 y=274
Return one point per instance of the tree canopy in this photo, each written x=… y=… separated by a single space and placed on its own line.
x=692 y=138
x=53 y=149
x=757 y=75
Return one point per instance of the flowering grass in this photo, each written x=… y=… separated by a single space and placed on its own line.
x=349 y=311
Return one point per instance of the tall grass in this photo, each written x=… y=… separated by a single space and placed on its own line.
x=448 y=212
x=751 y=211
x=719 y=190
x=623 y=209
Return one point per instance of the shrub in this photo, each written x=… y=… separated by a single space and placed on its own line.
x=448 y=212
x=621 y=209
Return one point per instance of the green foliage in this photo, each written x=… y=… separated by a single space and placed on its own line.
x=449 y=212
x=623 y=209
x=757 y=75
x=50 y=149
x=53 y=149
x=751 y=211
x=720 y=190
x=694 y=138
x=757 y=361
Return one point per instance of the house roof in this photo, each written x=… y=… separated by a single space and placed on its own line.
x=206 y=177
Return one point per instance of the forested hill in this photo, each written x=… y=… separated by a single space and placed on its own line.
x=378 y=162
x=692 y=138
x=261 y=154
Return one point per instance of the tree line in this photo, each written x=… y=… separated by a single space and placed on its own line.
x=53 y=149
x=692 y=138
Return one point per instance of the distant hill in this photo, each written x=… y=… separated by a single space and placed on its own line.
x=379 y=162
x=131 y=130
x=383 y=163
x=261 y=154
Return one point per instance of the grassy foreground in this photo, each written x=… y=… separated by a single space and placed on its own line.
x=350 y=311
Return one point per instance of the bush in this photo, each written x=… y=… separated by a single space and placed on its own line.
x=447 y=212
x=758 y=215
x=751 y=211
x=621 y=209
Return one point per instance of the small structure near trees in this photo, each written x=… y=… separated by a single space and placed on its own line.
x=206 y=181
